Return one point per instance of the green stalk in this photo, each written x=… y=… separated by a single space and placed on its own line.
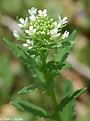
x=55 y=104
x=51 y=93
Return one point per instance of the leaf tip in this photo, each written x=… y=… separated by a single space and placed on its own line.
x=85 y=88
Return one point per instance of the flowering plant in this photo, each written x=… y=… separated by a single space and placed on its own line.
x=42 y=35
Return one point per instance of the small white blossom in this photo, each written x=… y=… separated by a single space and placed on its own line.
x=32 y=11
x=28 y=41
x=15 y=34
x=30 y=47
x=54 y=33
x=31 y=30
x=23 y=22
x=57 y=25
x=42 y=13
x=63 y=21
x=25 y=45
x=28 y=44
x=65 y=35
x=32 y=17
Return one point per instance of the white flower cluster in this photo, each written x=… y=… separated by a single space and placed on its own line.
x=39 y=29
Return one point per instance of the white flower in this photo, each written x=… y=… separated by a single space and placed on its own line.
x=32 y=11
x=57 y=25
x=63 y=21
x=15 y=34
x=28 y=44
x=23 y=22
x=25 y=45
x=31 y=30
x=65 y=35
x=42 y=13
x=54 y=33
x=28 y=41
x=32 y=17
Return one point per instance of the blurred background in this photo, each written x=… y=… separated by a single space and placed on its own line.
x=14 y=74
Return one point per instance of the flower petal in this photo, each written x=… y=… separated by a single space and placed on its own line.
x=21 y=20
x=32 y=11
x=25 y=45
x=32 y=17
x=15 y=34
x=28 y=41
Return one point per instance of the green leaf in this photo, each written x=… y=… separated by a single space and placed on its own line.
x=22 y=55
x=68 y=88
x=66 y=65
x=17 y=51
x=66 y=106
x=29 y=107
x=33 y=64
x=62 y=53
x=39 y=85
x=54 y=65
x=67 y=113
x=65 y=48
x=38 y=75
x=33 y=87
x=29 y=51
x=69 y=98
x=36 y=67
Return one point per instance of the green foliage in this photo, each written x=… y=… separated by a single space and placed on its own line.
x=30 y=61
x=65 y=48
x=67 y=111
x=41 y=85
x=67 y=104
x=29 y=107
x=69 y=98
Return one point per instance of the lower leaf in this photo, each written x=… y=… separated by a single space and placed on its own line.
x=69 y=98
x=29 y=107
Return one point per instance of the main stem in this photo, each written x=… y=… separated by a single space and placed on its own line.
x=55 y=104
x=51 y=93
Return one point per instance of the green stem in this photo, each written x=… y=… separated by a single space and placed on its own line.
x=51 y=93
x=55 y=104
